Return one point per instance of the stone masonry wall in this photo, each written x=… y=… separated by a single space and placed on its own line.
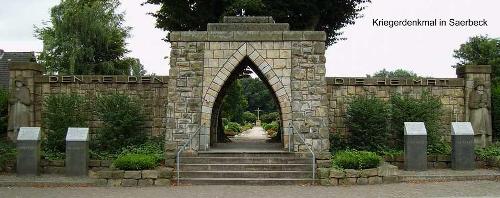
x=149 y=90
x=342 y=90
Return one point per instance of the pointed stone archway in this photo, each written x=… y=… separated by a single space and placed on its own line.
x=265 y=71
x=292 y=63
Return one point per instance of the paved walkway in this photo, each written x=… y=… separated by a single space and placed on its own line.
x=440 y=189
x=252 y=140
x=255 y=133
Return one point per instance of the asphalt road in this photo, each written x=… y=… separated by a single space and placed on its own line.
x=440 y=189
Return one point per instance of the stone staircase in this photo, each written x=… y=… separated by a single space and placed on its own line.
x=246 y=168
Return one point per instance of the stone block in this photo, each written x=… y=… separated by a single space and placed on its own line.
x=462 y=145
x=117 y=174
x=129 y=182
x=149 y=174
x=390 y=179
x=95 y=163
x=351 y=173
x=132 y=175
x=323 y=173
x=369 y=172
x=334 y=182
x=374 y=180
x=415 y=146
x=114 y=182
x=323 y=163
x=105 y=163
x=162 y=182
x=105 y=174
x=165 y=172
x=77 y=151
x=336 y=173
x=387 y=170
x=28 y=151
x=101 y=182
x=324 y=182
x=362 y=181
x=145 y=182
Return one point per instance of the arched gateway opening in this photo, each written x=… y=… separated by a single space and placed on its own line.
x=255 y=138
x=244 y=57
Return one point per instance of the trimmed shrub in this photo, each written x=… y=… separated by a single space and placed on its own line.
x=247 y=126
x=4 y=98
x=60 y=112
x=154 y=147
x=135 y=162
x=488 y=152
x=249 y=117
x=425 y=109
x=495 y=111
x=271 y=128
x=123 y=121
x=270 y=117
x=356 y=159
x=232 y=128
x=367 y=119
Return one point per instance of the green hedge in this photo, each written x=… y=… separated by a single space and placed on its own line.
x=488 y=152
x=135 y=162
x=356 y=159
x=7 y=152
x=4 y=98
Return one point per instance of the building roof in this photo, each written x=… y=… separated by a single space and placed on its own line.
x=6 y=57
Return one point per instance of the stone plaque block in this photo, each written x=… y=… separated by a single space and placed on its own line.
x=415 y=146
x=462 y=145
x=28 y=151
x=77 y=151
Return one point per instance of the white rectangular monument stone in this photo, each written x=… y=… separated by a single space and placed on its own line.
x=77 y=151
x=462 y=146
x=415 y=146
x=28 y=151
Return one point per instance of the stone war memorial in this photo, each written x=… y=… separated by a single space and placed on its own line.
x=185 y=109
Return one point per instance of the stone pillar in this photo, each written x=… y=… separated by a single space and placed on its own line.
x=462 y=146
x=478 y=101
x=28 y=151
x=77 y=151
x=22 y=94
x=415 y=146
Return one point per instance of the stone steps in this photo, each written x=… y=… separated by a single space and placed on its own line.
x=246 y=174
x=246 y=168
x=246 y=181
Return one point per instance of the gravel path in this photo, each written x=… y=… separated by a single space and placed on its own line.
x=255 y=133
x=441 y=189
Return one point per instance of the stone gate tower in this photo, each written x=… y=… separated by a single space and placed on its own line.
x=291 y=63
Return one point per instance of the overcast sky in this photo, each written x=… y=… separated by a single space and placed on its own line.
x=424 y=50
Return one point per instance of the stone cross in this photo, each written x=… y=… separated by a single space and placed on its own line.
x=28 y=151
x=462 y=146
x=415 y=146
x=77 y=151
x=258 y=113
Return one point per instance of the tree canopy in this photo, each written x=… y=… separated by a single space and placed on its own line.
x=86 y=37
x=480 y=50
x=398 y=73
x=320 y=15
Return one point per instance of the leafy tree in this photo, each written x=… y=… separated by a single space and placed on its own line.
x=234 y=104
x=321 y=15
x=249 y=117
x=398 y=73
x=86 y=37
x=480 y=50
x=257 y=95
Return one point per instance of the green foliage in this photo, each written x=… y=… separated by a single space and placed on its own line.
x=338 y=143
x=249 y=117
x=488 y=152
x=425 y=108
x=62 y=111
x=7 y=152
x=123 y=121
x=232 y=128
x=270 y=117
x=86 y=37
x=247 y=126
x=398 y=73
x=234 y=103
x=392 y=152
x=366 y=118
x=4 y=98
x=352 y=159
x=271 y=128
x=320 y=15
x=136 y=162
x=480 y=50
x=258 y=95
x=495 y=111
x=154 y=147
